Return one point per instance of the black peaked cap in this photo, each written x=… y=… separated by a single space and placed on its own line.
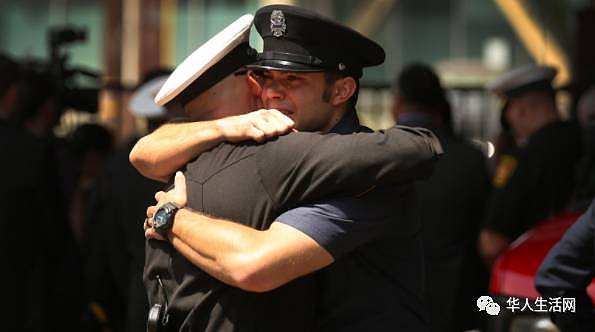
x=296 y=39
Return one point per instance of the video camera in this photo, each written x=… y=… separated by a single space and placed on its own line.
x=73 y=94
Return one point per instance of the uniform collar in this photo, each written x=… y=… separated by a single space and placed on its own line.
x=348 y=124
x=415 y=119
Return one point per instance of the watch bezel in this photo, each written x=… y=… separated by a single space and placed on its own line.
x=164 y=217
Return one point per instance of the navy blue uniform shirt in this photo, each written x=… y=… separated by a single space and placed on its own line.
x=376 y=281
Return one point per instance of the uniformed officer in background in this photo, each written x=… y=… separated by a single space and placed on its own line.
x=538 y=181
x=450 y=203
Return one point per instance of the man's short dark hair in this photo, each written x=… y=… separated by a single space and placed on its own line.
x=91 y=137
x=419 y=85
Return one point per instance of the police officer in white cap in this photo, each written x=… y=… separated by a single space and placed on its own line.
x=537 y=181
x=210 y=84
x=252 y=184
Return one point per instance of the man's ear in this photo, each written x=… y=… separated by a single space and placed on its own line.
x=343 y=89
x=255 y=87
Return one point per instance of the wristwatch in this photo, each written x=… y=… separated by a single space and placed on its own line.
x=164 y=217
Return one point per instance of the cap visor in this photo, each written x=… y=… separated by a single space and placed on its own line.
x=282 y=65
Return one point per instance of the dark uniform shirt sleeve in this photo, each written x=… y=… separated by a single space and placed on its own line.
x=568 y=269
x=570 y=264
x=309 y=166
x=341 y=224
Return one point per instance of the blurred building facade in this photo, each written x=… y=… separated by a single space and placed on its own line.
x=469 y=42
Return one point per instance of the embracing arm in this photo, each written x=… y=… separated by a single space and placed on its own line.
x=235 y=254
x=309 y=166
x=167 y=149
x=171 y=146
x=243 y=257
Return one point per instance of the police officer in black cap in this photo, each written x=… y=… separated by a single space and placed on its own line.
x=372 y=239
x=375 y=282
x=538 y=181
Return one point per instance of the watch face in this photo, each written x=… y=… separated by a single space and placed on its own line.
x=160 y=218
x=164 y=216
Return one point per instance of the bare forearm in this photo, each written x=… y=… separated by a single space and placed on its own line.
x=221 y=248
x=205 y=263
x=166 y=150
x=244 y=257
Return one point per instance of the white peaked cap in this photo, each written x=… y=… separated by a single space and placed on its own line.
x=209 y=63
x=142 y=101
x=522 y=79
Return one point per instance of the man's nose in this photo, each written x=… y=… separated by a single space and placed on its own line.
x=271 y=89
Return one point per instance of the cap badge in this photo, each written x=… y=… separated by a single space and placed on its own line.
x=278 y=25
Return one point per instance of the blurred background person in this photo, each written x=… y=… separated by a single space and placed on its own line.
x=116 y=297
x=39 y=105
x=450 y=203
x=68 y=165
x=91 y=144
x=586 y=167
x=537 y=181
x=9 y=88
x=27 y=222
x=569 y=267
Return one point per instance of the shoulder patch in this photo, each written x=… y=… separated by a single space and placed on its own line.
x=505 y=170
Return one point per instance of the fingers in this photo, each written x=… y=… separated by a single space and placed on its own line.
x=151 y=234
x=287 y=121
x=279 y=121
x=151 y=211
x=271 y=123
x=180 y=189
x=158 y=195
x=256 y=134
x=148 y=223
x=258 y=126
x=180 y=182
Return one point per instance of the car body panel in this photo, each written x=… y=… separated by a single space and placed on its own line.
x=514 y=272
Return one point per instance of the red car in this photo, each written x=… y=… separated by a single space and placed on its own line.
x=513 y=276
